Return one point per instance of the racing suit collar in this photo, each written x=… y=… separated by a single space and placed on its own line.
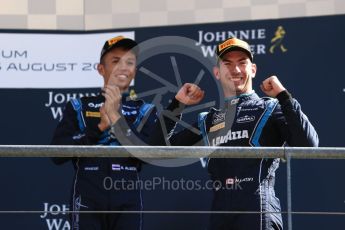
x=244 y=96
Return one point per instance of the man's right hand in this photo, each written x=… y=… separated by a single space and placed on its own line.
x=190 y=94
x=111 y=106
x=105 y=122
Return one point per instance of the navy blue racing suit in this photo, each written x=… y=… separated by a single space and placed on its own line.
x=105 y=184
x=248 y=184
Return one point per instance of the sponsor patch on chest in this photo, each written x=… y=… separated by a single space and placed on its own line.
x=93 y=114
x=231 y=135
x=245 y=119
x=217 y=127
x=218 y=118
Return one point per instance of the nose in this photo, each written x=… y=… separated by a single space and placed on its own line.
x=236 y=69
x=122 y=65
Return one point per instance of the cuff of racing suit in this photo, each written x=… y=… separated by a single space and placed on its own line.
x=176 y=106
x=284 y=97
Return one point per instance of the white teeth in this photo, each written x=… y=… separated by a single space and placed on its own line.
x=122 y=76
x=237 y=79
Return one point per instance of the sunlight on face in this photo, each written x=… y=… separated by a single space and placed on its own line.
x=118 y=67
x=235 y=73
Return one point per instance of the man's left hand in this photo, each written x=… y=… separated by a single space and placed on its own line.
x=272 y=86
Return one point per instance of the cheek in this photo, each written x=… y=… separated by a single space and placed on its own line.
x=224 y=72
x=132 y=72
x=112 y=69
x=248 y=71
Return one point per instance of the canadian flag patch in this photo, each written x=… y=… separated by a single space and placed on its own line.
x=230 y=181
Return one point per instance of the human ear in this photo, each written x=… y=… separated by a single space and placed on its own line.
x=254 y=68
x=100 y=69
x=216 y=72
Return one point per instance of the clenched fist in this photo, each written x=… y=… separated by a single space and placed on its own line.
x=190 y=94
x=272 y=86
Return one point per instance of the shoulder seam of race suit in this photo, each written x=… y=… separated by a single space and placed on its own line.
x=271 y=105
x=77 y=106
x=202 y=126
x=144 y=111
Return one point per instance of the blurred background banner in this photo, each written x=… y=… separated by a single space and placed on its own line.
x=41 y=70
x=44 y=60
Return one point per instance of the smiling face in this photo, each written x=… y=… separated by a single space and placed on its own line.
x=118 y=67
x=235 y=72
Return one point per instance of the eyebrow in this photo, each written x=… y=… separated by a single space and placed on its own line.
x=131 y=59
x=115 y=57
x=240 y=59
x=118 y=58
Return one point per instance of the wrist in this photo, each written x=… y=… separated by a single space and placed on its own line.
x=114 y=118
x=180 y=100
x=283 y=96
x=280 y=90
x=176 y=106
x=102 y=126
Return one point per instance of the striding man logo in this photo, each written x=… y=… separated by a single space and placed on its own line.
x=133 y=95
x=277 y=40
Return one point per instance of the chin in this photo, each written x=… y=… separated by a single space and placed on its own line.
x=123 y=86
x=240 y=91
